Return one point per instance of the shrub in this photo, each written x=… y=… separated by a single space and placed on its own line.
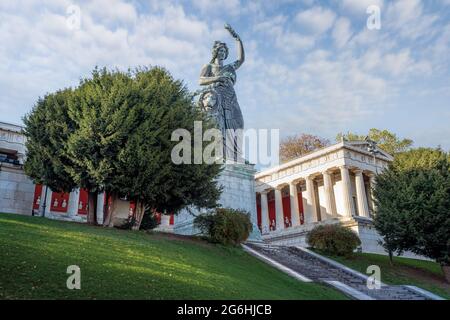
x=225 y=226
x=149 y=221
x=334 y=239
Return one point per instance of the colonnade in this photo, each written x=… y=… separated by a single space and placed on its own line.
x=354 y=198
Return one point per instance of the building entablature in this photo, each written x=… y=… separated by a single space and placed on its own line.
x=349 y=154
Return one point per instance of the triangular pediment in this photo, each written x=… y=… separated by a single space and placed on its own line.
x=364 y=146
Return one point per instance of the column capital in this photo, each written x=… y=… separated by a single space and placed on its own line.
x=327 y=172
x=297 y=180
x=280 y=186
x=343 y=166
x=357 y=171
x=265 y=191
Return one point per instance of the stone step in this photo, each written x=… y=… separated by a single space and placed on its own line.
x=320 y=270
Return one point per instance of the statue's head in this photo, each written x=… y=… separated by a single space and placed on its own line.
x=219 y=50
x=208 y=100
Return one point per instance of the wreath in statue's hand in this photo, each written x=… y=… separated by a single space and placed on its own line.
x=231 y=31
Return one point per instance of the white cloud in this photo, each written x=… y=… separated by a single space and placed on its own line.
x=292 y=78
x=342 y=32
x=408 y=18
x=316 y=20
x=216 y=7
x=292 y=42
x=42 y=54
x=111 y=11
x=402 y=63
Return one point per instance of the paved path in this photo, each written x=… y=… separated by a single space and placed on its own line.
x=318 y=269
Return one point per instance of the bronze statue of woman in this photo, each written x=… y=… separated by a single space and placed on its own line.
x=220 y=79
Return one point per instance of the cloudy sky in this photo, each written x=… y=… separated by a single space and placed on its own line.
x=312 y=66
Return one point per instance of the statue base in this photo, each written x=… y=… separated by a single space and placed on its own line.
x=238 y=192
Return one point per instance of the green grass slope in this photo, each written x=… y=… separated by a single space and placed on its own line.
x=117 y=264
x=424 y=274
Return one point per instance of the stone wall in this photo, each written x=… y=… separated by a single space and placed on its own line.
x=238 y=183
x=16 y=190
x=370 y=239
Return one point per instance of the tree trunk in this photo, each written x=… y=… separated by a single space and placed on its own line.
x=391 y=257
x=110 y=210
x=139 y=215
x=92 y=213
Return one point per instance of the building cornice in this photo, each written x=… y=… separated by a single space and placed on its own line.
x=384 y=156
x=11 y=127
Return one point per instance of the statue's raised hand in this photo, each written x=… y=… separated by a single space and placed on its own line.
x=231 y=31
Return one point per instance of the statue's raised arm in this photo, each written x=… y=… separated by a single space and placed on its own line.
x=240 y=48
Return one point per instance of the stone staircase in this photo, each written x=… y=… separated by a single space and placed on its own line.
x=320 y=269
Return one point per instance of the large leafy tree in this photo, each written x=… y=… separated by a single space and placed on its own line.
x=148 y=174
x=119 y=126
x=413 y=204
x=296 y=146
x=47 y=128
x=103 y=109
x=385 y=139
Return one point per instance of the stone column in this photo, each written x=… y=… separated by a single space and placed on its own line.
x=295 y=212
x=310 y=206
x=48 y=204
x=330 y=203
x=264 y=212
x=101 y=198
x=346 y=193
x=42 y=203
x=372 y=187
x=72 y=206
x=279 y=209
x=165 y=221
x=361 y=198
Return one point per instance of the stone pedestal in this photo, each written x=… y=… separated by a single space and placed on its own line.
x=16 y=190
x=238 y=192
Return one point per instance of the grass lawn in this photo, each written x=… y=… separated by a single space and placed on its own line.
x=116 y=264
x=424 y=274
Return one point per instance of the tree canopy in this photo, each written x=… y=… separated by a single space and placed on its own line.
x=296 y=146
x=112 y=133
x=47 y=128
x=413 y=204
x=385 y=139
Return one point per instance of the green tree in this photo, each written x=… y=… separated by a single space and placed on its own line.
x=413 y=204
x=47 y=128
x=298 y=145
x=114 y=135
x=148 y=174
x=422 y=158
x=104 y=110
x=385 y=139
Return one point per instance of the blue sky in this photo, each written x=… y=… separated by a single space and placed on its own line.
x=312 y=66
